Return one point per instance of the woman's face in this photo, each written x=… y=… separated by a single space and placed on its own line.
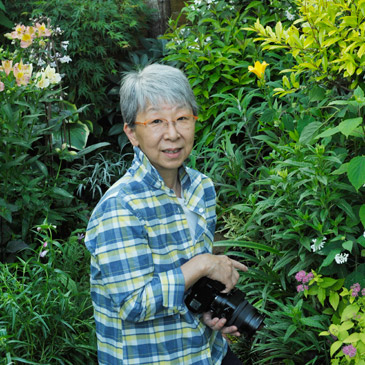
x=168 y=145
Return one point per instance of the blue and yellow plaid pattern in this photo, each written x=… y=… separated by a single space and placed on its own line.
x=138 y=237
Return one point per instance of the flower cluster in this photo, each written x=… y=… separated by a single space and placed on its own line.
x=341 y=258
x=47 y=77
x=22 y=72
x=304 y=278
x=318 y=246
x=355 y=290
x=27 y=34
x=349 y=350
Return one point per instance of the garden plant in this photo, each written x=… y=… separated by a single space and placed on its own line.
x=281 y=132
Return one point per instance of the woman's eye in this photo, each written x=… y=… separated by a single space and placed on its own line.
x=156 y=121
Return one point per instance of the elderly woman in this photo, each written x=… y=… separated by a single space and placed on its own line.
x=151 y=235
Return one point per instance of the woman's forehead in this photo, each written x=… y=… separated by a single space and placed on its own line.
x=162 y=105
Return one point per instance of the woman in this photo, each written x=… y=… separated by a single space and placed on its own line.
x=151 y=235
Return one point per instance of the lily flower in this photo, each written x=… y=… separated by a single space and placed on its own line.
x=259 y=69
x=7 y=66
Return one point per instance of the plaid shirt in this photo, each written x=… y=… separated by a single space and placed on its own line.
x=139 y=237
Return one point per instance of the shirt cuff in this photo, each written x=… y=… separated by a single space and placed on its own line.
x=173 y=289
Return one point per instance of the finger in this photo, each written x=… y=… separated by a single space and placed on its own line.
x=220 y=324
x=239 y=266
x=232 y=330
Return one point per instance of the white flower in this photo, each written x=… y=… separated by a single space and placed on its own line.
x=289 y=16
x=52 y=75
x=363 y=234
x=41 y=62
x=65 y=59
x=317 y=247
x=64 y=44
x=43 y=82
x=341 y=258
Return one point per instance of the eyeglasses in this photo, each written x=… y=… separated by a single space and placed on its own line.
x=159 y=124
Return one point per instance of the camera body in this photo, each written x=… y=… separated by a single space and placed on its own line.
x=205 y=295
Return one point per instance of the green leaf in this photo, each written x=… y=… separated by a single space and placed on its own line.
x=356 y=171
x=334 y=299
x=92 y=148
x=349 y=312
x=62 y=192
x=76 y=135
x=321 y=295
x=330 y=257
x=335 y=346
x=362 y=214
x=348 y=245
x=347 y=126
x=309 y=132
x=247 y=244
x=291 y=329
x=354 y=337
x=328 y=132
x=312 y=322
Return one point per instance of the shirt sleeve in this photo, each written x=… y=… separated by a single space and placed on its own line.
x=123 y=266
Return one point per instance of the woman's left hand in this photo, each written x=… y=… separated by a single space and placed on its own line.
x=218 y=324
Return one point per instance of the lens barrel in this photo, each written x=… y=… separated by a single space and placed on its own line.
x=206 y=295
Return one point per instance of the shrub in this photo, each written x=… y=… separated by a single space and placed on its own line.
x=46 y=309
x=41 y=134
x=99 y=34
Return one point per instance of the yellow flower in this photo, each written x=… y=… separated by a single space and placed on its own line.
x=26 y=40
x=7 y=66
x=259 y=69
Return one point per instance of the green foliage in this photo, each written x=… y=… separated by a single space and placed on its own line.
x=325 y=40
x=290 y=335
x=101 y=171
x=41 y=135
x=286 y=154
x=4 y=20
x=99 y=34
x=346 y=308
x=46 y=310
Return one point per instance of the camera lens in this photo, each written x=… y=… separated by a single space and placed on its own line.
x=246 y=318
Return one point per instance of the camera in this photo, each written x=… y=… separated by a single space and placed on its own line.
x=205 y=295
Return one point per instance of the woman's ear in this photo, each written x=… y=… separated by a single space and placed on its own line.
x=131 y=134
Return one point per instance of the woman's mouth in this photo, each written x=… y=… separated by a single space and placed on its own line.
x=172 y=152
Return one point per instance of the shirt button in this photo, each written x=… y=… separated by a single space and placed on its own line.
x=201 y=210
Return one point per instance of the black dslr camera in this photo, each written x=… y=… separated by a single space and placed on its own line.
x=205 y=295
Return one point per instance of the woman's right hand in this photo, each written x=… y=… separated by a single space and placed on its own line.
x=224 y=269
x=216 y=267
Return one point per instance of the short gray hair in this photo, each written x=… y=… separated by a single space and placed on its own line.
x=154 y=85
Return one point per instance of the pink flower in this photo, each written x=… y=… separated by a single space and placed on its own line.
x=349 y=350
x=300 y=275
x=301 y=288
x=363 y=292
x=2 y=86
x=45 y=244
x=43 y=253
x=356 y=287
x=7 y=66
x=42 y=30
x=307 y=277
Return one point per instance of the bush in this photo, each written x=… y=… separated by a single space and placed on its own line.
x=98 y=33
x=46 y=309
x=286 y=154
x=41 y=135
